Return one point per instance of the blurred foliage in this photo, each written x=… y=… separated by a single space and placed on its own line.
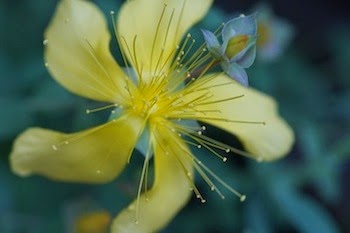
x=306 y=192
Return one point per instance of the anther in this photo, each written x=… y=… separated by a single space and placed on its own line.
x=242 y=198
x=241 y=15
x=54 y=147
x=227 y=150
x=224 y=159
x=199 y=146
x=45 y=42
x=46 y=64
x=111 y=12
x=204 y=128
x=200 y=132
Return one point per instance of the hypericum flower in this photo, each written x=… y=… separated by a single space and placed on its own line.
x=274 y=34
x=237 y=51
x=152 y=99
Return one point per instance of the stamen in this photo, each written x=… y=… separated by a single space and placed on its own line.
x=88 y=111
x=179 y=21
x=78 y=136
x=100 y=88
x=202 y=140
x=164 y=42
x=223 y=183
x=156 y=35
x=126 y=63
x=222 y=119
x=186 y=171
x=99 y=63
x=143 y=172
x=199 y=166
x=136 y=66
x=90 y=50
x=217 y=32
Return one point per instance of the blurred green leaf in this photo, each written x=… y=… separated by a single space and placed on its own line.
x=338 y=41
x=257 y=218
x=304 y=213
x=322 y=167
x=14 y=117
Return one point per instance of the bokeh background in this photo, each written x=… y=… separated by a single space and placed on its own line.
x=306 y=192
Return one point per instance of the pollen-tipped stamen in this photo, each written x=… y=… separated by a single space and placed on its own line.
x=80 y=136
x=88 y=111
x=142 y=178
x=198 y=162
x=125 y=60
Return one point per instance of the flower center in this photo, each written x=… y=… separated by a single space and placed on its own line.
x=145 y=106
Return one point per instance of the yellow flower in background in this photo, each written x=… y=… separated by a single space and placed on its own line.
x=153 y=101
x=93 y=222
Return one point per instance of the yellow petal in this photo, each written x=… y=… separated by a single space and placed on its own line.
x=249 y=114
x=95 y=155
x=77 y=52
x=170 y=192
x=156 y=27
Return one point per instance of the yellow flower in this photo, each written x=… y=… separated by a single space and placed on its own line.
x=94 y=222
x=151 y=99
